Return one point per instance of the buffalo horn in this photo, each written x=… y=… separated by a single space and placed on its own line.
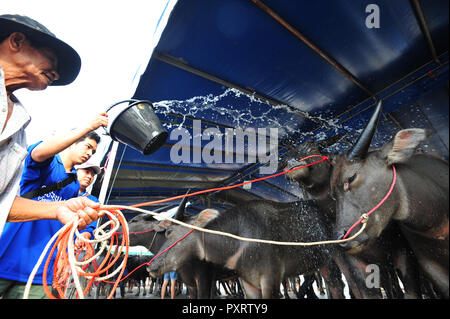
x=181 y=209
x=362 y=145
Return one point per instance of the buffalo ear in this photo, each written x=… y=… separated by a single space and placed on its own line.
x=148 y=217
x=404 y=145
x=162 y=226
x=205 y=216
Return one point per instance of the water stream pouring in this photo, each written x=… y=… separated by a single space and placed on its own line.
x=133 y=122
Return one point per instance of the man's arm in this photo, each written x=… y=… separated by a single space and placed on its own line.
x=24 y=210
x=57 y=144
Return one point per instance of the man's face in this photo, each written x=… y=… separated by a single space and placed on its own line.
x=85 y=177
x=82 y=151
x=37 y=66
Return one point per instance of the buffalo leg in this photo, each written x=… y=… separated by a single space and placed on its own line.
x=270 y=288
x=285 y=288
x=250 y=291
x=332 y=276
x=354 y=270
x=409 y=273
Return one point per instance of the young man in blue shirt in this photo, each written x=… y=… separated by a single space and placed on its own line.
x=47 y=163
x=86 y=173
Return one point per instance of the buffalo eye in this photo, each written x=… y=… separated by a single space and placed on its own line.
x=168 y=232
x=349 y=181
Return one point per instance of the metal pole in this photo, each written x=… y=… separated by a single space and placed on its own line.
x=181 y=64
x=423 y=25
x=311 y=45
x=106 y=178
x=108 y=172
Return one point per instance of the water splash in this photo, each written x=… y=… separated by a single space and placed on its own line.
x=226 y=108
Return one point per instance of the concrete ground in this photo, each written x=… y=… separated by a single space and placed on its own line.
x=132 y=294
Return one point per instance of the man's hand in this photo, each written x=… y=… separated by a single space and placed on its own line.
x=79 y=243
x=100 y=119
x=86 y=209
x=60 y=142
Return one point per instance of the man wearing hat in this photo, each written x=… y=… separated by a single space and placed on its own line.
x=31 y=57
x=86 y=173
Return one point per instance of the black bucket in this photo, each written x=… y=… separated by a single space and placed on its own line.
x=136 y=125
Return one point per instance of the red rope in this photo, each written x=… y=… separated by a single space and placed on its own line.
x=348 y=232
x=170 y=247
x=394 y=178
x=157 y=255
x=323 y=158
x=105 y=266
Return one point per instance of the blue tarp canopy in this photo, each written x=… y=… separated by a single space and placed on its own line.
x=308 y=69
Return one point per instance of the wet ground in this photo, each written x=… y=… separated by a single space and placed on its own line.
x=133 y=294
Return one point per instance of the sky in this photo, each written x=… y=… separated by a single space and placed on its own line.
x=113 y=38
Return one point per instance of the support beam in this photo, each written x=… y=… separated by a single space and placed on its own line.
x=181 y=64
x=311 y=45
x=424 y=27
x=108 y=172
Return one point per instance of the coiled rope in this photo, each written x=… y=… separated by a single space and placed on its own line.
x=65 y=243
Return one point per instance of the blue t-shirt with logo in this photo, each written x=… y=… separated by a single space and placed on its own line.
x=21 y=244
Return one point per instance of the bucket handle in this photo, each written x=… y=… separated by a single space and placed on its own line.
x=135 y=101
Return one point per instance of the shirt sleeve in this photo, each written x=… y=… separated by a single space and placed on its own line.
x=30 y=163
x=33 y=170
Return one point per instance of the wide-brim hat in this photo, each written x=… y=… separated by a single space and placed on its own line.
x=69 y=62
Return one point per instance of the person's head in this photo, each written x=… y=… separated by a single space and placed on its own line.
x=86 y=173
x=82 y=149
x=32 y=57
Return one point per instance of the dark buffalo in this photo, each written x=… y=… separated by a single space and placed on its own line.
x=106 y=286
x=418 y=203
x=260 y=266
x=199 y=276
x=388 y=251
x=137 y=272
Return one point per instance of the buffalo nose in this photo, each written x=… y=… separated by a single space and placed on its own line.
x=153 y=267
x=340 y=237
x=151 y=270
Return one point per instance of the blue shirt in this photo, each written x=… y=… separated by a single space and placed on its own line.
x=91 y=227
x=21 y=244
